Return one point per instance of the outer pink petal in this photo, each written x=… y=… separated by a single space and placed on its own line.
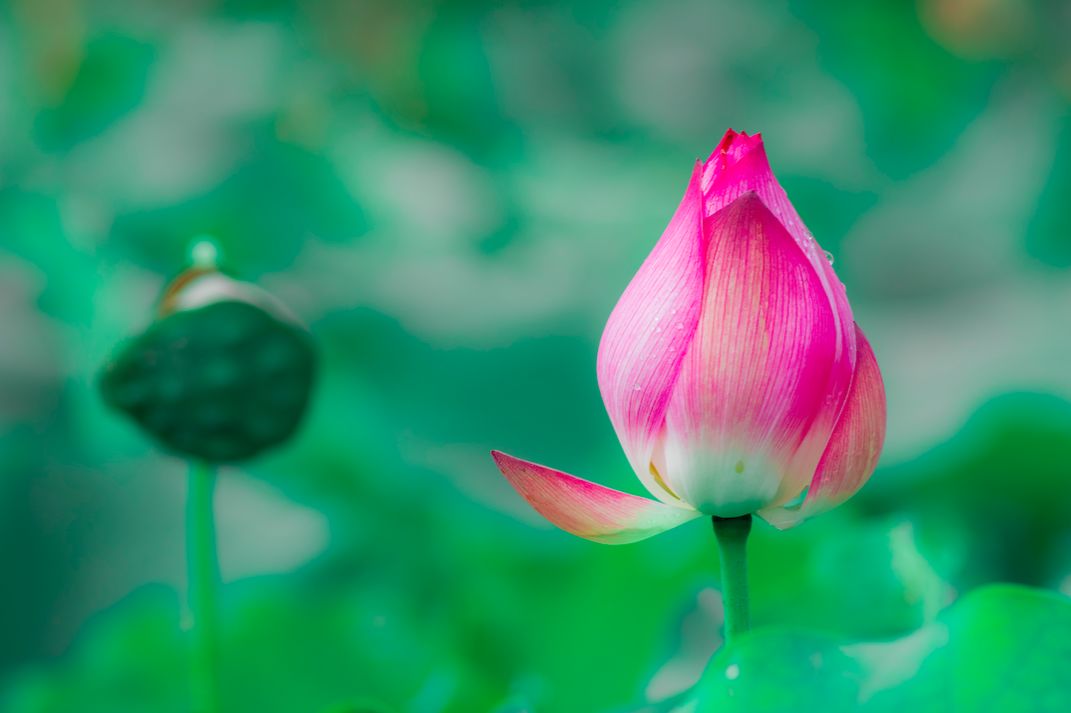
x=648 y=333
x=586 y=509
x=854 y=448
x=758 y=371
x=738 y=166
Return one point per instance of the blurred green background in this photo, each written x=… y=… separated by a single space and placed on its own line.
x=453 y=195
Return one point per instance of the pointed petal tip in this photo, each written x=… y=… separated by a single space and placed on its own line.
x=587 y=509
x=733 y=151
x=727 y=139
x=734 y=141
x=746 y=211
x=748 y=199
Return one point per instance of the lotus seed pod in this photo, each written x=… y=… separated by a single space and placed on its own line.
x=223 y=373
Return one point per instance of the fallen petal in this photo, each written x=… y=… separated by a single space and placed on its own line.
x=587 y=509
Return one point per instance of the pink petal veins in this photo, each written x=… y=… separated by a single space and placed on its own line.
x=757 y=372
x=739 y=165
x=647 y=334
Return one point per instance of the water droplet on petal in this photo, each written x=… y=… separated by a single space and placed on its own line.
x=636 y=387
x=829 y=256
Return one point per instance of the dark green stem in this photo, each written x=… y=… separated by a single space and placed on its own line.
x=203 y=568
x=731 y=533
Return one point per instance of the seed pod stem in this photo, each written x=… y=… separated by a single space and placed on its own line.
x=203 y=568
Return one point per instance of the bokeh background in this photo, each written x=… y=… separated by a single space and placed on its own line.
x=453 y=195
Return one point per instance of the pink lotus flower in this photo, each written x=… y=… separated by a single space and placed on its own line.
x=731 y=368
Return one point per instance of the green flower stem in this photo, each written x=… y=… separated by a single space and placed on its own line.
x=203 y=567
x=731 y=533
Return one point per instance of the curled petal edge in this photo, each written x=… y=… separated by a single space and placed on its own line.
x=853 y=449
